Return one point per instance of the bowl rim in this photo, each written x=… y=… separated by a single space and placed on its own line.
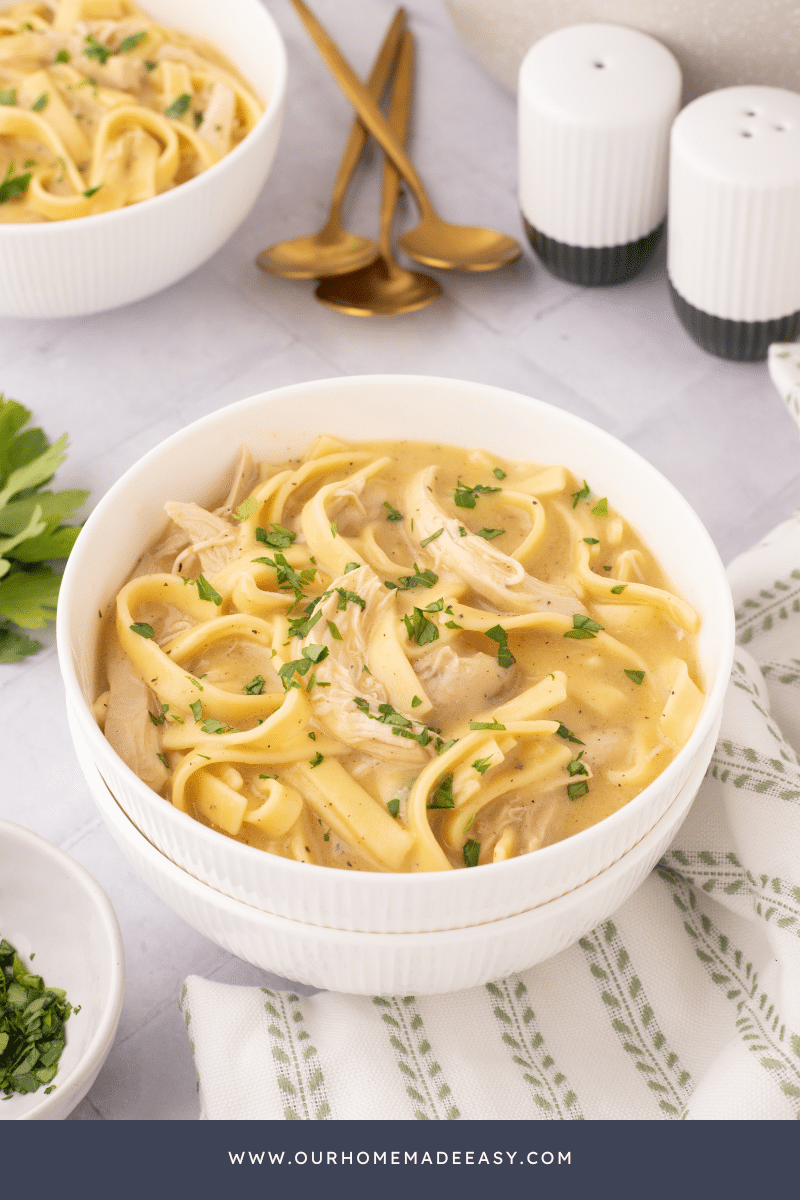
x=69 y=1088
x=723 y=616
x=271 y=111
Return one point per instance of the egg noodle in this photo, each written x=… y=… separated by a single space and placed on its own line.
x=100 y=107
x=399 y=656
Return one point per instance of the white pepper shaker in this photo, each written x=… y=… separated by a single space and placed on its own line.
x=596 y=103
x=733 y=254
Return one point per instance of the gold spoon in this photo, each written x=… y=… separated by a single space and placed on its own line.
x=334 y=250
x=434 y=242
x=383 y=288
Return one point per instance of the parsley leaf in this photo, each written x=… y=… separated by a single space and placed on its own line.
x=178 y=107
x=619 y=589
x=131 y=42
x=418 y=579
x=246 y=509
x=601 y=508
x=40 y=103
x=486 y=725
x=346 y=598
x=568 y=735
x=576 y=790
x=576 y=767
x=32 y=1027
x=196 y=710
x=581 y=495
x=315 y=761
x=420 y=629
x=255 y=687
x=504 y=656
x=482 y=765
x=583 y=627
x=14 y=185
x=393 y=807
x=443 y=796
x=472 y=850
x=592 y=541
x=206 y=591
x=143 y=629
x=394 y=513
x=279 y=538
x=498 y=472
x=92 y=48
x=635 y=676
x=466 y=497
x=427 y=541
x=489 y=533
x=8 y=96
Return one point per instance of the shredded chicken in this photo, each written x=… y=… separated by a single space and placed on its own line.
x=212 y=538
x=456 y=683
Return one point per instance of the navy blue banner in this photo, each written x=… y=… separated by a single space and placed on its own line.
x=128 y=1160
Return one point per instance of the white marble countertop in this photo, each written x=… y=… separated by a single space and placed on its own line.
x=121 y=381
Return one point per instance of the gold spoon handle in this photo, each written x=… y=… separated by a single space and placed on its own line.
x=364 y=105
x=399 y=113
x=358 y=134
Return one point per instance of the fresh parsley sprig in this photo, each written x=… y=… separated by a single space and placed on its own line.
x=32 y=529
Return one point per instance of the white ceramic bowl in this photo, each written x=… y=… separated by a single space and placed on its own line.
x=194 y=465
x=51 y=907
x=85 y=265
x=387 y=963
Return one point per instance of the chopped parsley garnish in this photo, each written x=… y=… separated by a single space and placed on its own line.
x=178 y=107
x=472 y=850
x=348 y=567
x=301 y=666
x=162 y=716
x=402 y=726
x=246 y=509
x=40 y=103
x=619 y=589
x=486 y=725
x=150 y=65
x=452 y=625
x=334 y=632
x=393 y=807
x=206 y=591
x=482 y=765
x=576 y=767
x=315 y=761
x=143 y=629
x=312 y=735
x=8 y=96
x=31 y=1026
x=394 y=513
x=196 y=682
x=196 y=710
x=212 y=725
x=576 y=790
x=498 y=473
x=427 y=541
x=62 y=56
x=504 y=656
x=164 y=761
x=301 y=626
x=420 y=629
x=92 y=48
x=279 y=538
x=415 y=702
x=289 y=580
x=426 y=578
x=635 y=676
x=466 y=497
x=131 y=42
x=443 y=796
x=14 y=185
x=581 y=495
x=569 y=736
x=346 y=598
x=592 y=541
x=583 y=627
x=489 y=533
x=92 y=191
x=601 y=508
x=255 y=687
x=462 y=532
x=334 y=529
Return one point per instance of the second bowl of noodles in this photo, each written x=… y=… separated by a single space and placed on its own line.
x=395 y=683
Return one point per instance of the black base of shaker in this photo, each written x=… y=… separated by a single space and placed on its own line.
x=592 y=266
x=743 y=341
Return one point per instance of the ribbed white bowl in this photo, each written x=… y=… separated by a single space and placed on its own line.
x=194 y=465
x=85 y=265
x=387 y=963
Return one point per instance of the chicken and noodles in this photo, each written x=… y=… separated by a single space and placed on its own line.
x=399 y=657
x=101 y=107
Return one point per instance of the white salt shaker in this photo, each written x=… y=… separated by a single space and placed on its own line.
x=733 y=254
x=596 y=103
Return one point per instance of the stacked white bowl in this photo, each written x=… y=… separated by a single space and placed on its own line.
x=359 y=931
